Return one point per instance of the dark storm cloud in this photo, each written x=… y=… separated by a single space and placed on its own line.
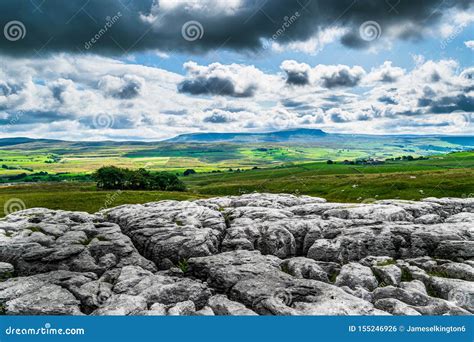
x=7 y=89
x=123 y=88
x=218 y=118
x=338 y=118
x=213 y=86
x=296 y=73
x=15 y=117
x=387 y=99
x=58 y=25
x=297 y=78
x=343 y=77
x=129 y=91
x=448 y=104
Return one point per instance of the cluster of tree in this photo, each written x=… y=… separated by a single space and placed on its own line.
x=408 y=158
x=44 y=176
x=369 y=161
x=53 y=159
x=111 y=177
x=6 y=167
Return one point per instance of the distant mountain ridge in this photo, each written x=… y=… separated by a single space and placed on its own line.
x=294 y=135
x=297 y=136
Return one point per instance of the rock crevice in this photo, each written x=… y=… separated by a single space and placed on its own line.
x=265 y=254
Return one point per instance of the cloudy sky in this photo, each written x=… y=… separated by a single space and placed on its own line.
x=144 y=69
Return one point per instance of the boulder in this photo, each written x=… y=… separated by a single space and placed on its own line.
x=223 y=306
x=388 y=275
x=354 y=275
x=255 y=254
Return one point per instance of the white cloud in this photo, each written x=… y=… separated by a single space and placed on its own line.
x=60 y=97
x=211 y=7
x=333 y=76
x=469 y=44
x=218 y=79
x=314 y=44
x=385 y=73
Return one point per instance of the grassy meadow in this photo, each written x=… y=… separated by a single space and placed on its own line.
x=439 y=176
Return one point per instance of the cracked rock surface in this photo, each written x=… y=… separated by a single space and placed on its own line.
x=255 y=254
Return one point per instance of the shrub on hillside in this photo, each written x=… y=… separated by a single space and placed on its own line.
x=115 y=178
x=189 y=172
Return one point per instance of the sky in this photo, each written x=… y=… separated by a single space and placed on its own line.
x=153 y=69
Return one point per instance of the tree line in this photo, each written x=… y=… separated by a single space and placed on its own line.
x=115 y=178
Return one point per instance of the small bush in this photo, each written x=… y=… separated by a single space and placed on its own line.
x=189 y=172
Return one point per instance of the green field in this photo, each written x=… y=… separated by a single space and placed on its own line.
x=449 y=175
x=78 y=158
x=446 y=175
x=81 y=196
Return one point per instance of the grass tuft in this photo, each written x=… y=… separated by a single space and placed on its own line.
x=406 y=275
x=183 y=265
x=386 y=263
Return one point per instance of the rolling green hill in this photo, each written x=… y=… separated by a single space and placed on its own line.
x=448 y=175
x=213 y=151
x=56 y=174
